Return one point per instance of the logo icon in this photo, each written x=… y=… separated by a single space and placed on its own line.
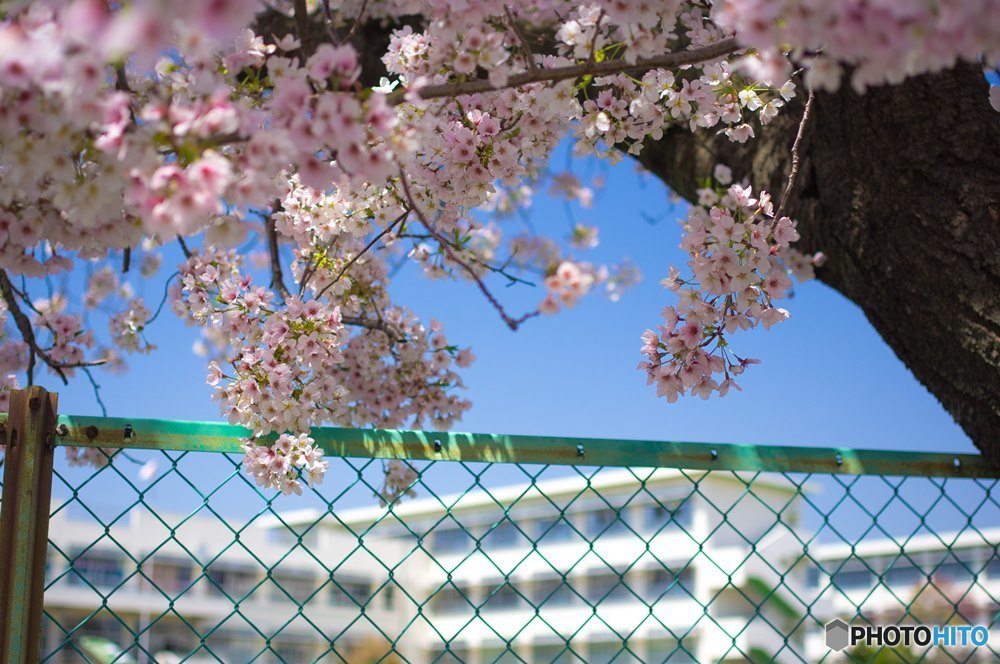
x=836 y=635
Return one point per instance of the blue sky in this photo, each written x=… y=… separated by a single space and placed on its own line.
x=826 y=376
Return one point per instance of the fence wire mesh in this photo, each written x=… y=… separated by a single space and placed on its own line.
x=505 y=562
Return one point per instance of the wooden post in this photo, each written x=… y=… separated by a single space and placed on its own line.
x=24 y=522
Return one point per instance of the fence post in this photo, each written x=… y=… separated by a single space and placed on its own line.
x=24 y=522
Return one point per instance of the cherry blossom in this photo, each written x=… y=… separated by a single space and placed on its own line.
x=294 y=188
x=740 y=264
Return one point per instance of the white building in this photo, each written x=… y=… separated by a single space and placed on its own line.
x=937 y=576
x=650 y=550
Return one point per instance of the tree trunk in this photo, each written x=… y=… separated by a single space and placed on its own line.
x=900 y=188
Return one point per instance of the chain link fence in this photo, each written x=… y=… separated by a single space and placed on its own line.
x=496 y=560
x=512 y=563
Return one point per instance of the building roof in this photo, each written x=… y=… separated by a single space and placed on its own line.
x=554 y=487
x=930 y=542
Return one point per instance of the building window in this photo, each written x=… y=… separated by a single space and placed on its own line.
x=607 y=588
x=553 y=593
x=451 y=600
x=852 y=576
x=351 y=592
x=453 y=654
x=956 y=570
x=299 y=586
x=663 y=650
x=666 y=516
x=104 y=626
x=812 y=576
x=553 y=653
x=452 y=540
x=552 y=530
x=504 y=535
x=665 y=584
x=289 y=536
x=501 y=655
x=605 y=652
x=903 y=573
x=993 y=570
x=170 y=577
x=97 y=568
x=503 y=597
x=234 y=582
x=605 y=522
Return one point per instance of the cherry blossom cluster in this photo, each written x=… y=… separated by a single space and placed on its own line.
x=293 y=367
x=127 y=126
x=404 y=384
x=93 y=457
x=738 y=271
x=282 y=464
x=68 y=341
x=626 y=110
x=880 y=42
x=400 y=477
x=281 y=375
x=567 y=284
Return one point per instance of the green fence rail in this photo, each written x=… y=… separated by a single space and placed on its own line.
x=513 y=549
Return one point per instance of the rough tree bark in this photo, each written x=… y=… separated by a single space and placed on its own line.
x=900 y=188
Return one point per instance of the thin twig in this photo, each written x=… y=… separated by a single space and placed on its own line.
x=302 y=29
x=526 y=52
x=184 y=247
x=597 y=31
x=359 y=321
x=795 y=155
x=357 y=21
x=361 y=253
x=311 y=266
x=605 y=68
x=104 y=413
x=24 y=327
x=328 y=21
x=28 y=334
x=97 y=392
x=163 y=300
x=512 y=323
x=126 y=259
x=277 y=278
x=502 y=271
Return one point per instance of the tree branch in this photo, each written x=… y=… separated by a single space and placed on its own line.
x=526 y=51
x=277 y=278
x=605 y=68
x=512 y=323
x=184 y=247
x=28 y=333
x=380 y=325
x=357 y=21
x=302 y=29
x=364 y=251
x=794 y=170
